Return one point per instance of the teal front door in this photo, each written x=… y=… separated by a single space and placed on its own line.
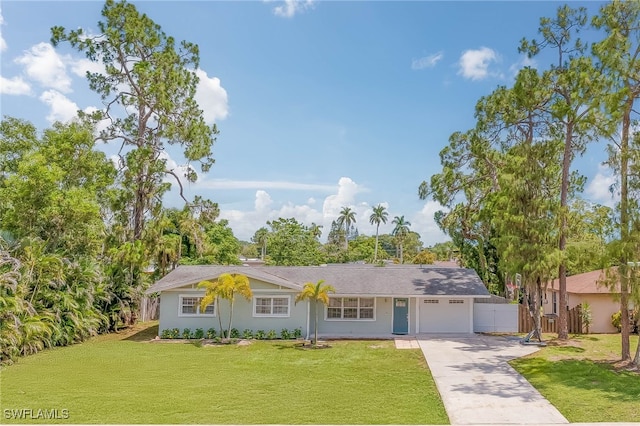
x=400 y=316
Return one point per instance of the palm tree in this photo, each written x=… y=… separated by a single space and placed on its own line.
x=226 y=286
x=347 y=218
x=260 y=238
x=378 y=216
x=317 y=293
x=400 y=231
x=316 y=230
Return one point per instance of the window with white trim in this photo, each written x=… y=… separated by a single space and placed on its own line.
x=190 y=306
x=271 y=306
x=351 y=308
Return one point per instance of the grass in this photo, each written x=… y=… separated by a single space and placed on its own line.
x=120 y=379
x=580 y=378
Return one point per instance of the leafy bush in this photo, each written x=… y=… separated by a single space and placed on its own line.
x=166 y=334
x=616 y=320
x=175 y=333
x=260 y=335
x=285 y=334
x=211 y=333
x=199 y=333
x=272 y=335
x=235 y=333
x=247 y=334
x=297 y=333
x=186 y=333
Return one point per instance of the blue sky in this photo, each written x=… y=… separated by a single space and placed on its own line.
x=320 y=104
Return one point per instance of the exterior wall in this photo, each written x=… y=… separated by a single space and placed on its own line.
x=602 y=307
x=243 y=312
x=445 y=316
x=380 y=326
x=495 y=318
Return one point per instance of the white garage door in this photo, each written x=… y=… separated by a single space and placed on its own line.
x=444 y=316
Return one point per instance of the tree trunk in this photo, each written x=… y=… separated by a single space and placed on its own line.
x=533 y=303
x=219 y=315
x=563 y=326
x=625 y=223
x=230 y=317
x=315 y=331
x=636 y=358
x=375 y=250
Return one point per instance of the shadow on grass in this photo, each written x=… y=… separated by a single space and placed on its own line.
x=569 y=349
x=143 y=335
x=598 y=377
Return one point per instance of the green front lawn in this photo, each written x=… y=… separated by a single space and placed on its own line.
x=116 y=380
x=580 y=379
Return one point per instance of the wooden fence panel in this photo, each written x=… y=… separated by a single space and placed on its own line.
x=549 y=323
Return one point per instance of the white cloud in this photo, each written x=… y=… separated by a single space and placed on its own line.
x=263 y=201
x=3 y=44
x=347 y=190
x=14 y=86
x=211 y=97
x=474 y=64
x=426 y=61
x=524 y=62
x=599 y=188
x=80 y=67
x=424 y=224
x=62 y=108
x=259 y=184
x=245 y=223
x=43 y=64
x=291 y=7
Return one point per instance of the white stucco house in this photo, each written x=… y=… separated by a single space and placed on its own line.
x=369 y=301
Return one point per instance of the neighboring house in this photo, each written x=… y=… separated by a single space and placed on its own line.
x=585 y=288
x=369 y=301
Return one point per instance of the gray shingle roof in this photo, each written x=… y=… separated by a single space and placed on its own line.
x=396 y=280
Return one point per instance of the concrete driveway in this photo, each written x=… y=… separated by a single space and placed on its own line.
x=479 y=387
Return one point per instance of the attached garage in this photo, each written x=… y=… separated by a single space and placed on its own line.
x=445 y=315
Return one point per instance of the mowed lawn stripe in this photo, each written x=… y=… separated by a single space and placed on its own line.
x=119 y=381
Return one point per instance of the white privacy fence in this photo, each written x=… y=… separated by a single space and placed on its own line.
x=495 y=318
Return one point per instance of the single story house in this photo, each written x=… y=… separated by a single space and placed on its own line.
x=369 y=301
x=586 y=288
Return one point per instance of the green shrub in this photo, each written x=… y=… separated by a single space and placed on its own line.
x=616 y=320
x=272 y=335
x=166 y=334
x=285 y=334
x=297 y=333
x=199 y=333
x=247 y=334
x=175 y=333
x=186 y=333
x=260 y=335
x=211 y=333
x=235 y=333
